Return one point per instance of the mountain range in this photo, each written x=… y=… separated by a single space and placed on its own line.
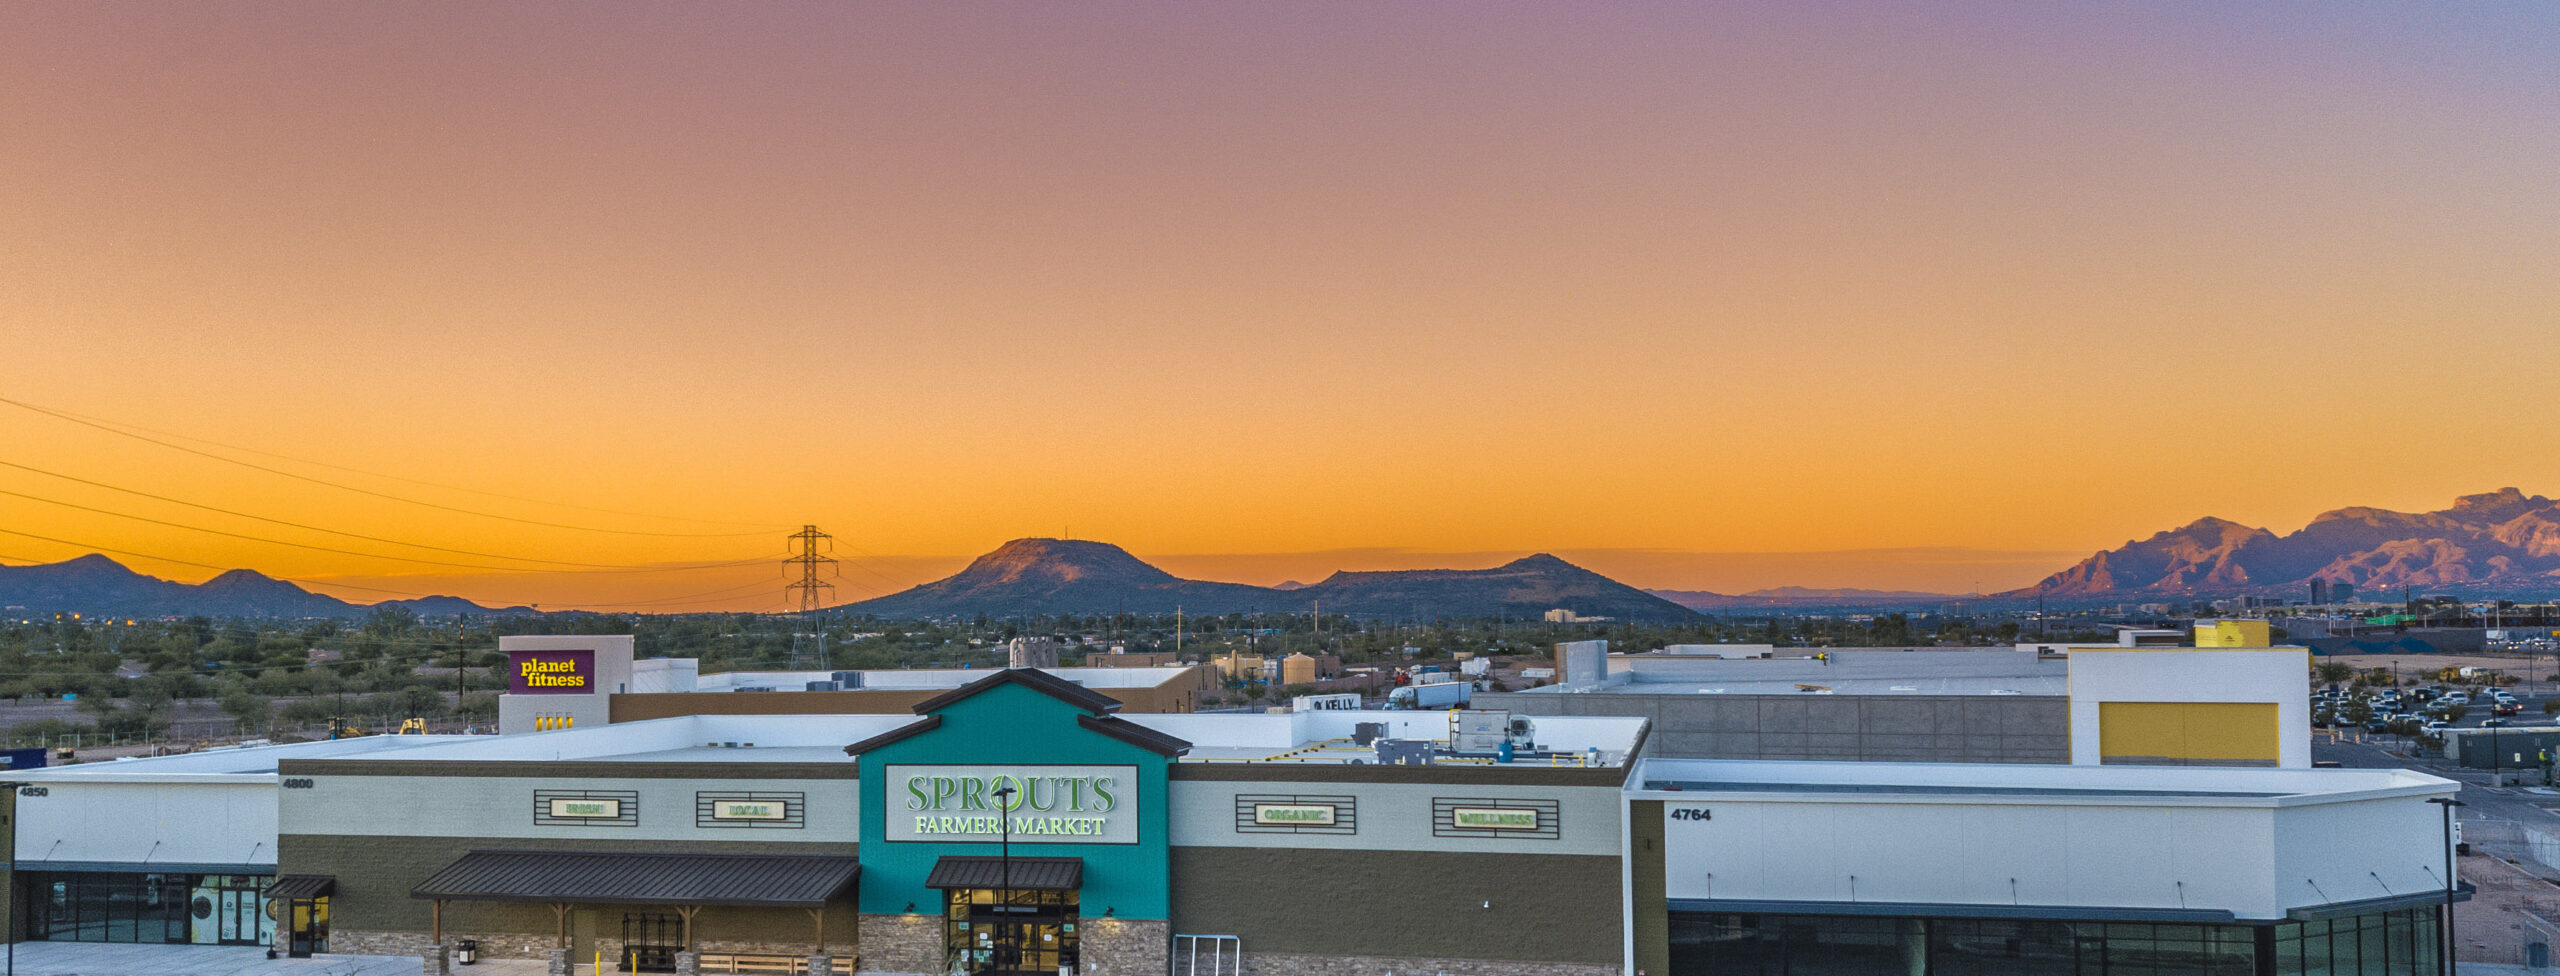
x=1063 y=576
x=2503 y=539
x=1778 y=596
x=98 y=586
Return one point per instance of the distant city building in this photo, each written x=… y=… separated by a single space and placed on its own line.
x=1031 y=652
x=1562 y=616
x=2319 y=593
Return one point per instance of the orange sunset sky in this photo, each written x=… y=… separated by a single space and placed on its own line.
x=1700 y=295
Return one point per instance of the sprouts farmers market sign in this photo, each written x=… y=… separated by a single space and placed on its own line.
x=1048 y=805
x=551 y=672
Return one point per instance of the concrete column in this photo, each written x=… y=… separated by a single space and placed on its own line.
x=560 y=965
x=688 y=964
x=437 y=962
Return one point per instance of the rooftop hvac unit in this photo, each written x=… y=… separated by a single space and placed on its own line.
x=848 y=680
x=1404 y=752
x=1365 y=734
x=1478 y=729
x=822 y=686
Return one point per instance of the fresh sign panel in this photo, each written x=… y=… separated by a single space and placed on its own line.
x=1048 y=805
x=587 y=809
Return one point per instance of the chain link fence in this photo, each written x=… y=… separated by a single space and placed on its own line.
x=2531 y=849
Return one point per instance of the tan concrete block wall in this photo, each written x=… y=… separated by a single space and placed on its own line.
x=1297 y=964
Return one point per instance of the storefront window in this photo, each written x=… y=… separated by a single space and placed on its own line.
x=2383 y=944
x=148 y=908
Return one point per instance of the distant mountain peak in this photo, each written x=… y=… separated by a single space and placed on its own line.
x=1064 y=560
x=1541 y=561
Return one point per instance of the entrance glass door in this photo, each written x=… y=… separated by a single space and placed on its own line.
x=310 y=927
x=987 y=931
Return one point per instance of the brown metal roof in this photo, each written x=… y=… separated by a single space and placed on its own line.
x=302 y=886
x=1135 y=734
x=1027 y=873
x=1034 y=679
x=907 y=731
x=593 y=878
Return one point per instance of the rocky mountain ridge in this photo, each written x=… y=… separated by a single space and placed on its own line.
x=2499 y=538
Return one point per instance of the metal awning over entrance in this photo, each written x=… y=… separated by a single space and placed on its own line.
x=590 y=878
x=1026 y=874
x=303 y=887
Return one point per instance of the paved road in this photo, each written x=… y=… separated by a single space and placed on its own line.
x=2481 y=801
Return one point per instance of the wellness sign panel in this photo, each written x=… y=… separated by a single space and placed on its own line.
x=1048 y=805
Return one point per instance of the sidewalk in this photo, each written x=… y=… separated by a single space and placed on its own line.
x=109 y=959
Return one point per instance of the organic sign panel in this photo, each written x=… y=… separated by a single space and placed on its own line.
x=1293 y=815
x=1048 y=805
x=551 y=672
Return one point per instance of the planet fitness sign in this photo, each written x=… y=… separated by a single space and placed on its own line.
x=1048 y=805
x=551 y=672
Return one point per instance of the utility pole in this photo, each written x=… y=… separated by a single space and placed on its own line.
x=811 y=591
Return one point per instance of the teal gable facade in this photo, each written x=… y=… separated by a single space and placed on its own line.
x=1017 y=719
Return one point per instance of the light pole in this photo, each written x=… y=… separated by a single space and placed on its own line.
x=9 y=928
x=2448 y=803
x=1004 y=875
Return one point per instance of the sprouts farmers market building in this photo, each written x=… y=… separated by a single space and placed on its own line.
x=1330 y=843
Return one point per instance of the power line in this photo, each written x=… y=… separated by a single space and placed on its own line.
x=352 y=552
x=59 y=415
x=293 y=524
x=377 y=474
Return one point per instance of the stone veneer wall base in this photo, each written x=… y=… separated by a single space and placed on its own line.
x=1124 y=946
x=900 y=943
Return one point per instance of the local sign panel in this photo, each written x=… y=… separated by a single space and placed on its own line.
x=1048 y=805
x=551 y=672
x=748 y=810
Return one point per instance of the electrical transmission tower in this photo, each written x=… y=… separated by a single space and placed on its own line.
x=811 y=591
